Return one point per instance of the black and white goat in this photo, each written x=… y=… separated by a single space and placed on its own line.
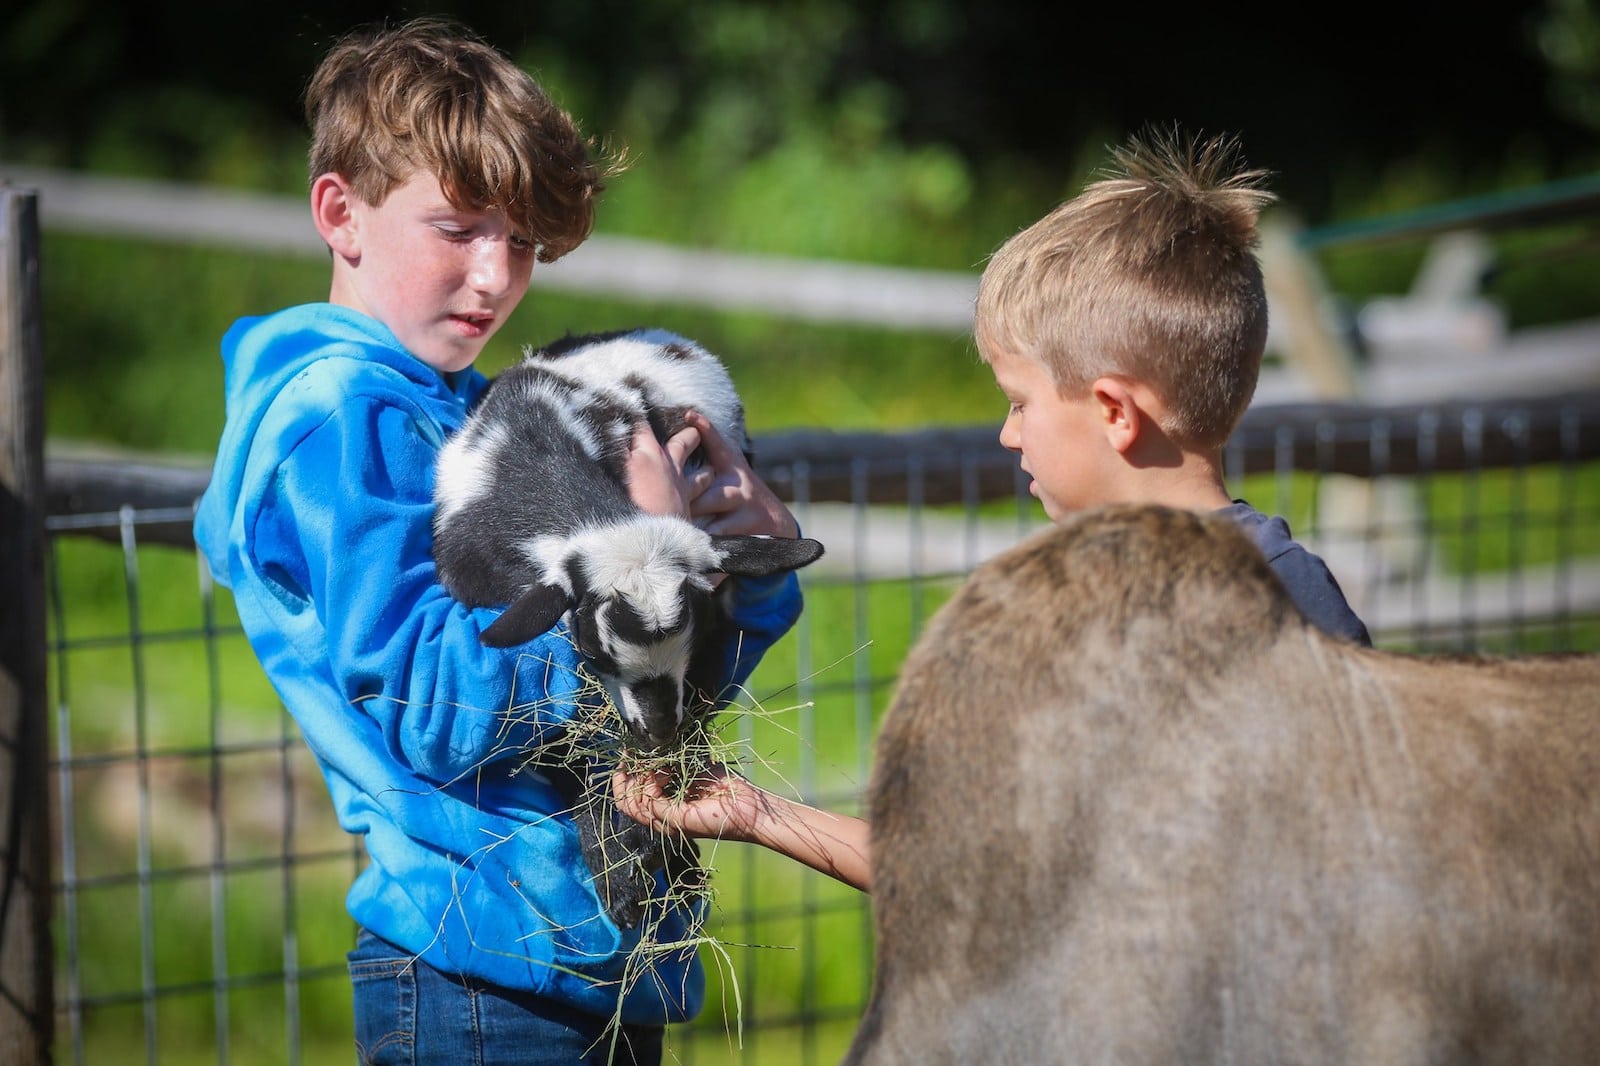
x=532 y=510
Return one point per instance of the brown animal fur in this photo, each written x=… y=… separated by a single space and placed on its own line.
x=1129 y=807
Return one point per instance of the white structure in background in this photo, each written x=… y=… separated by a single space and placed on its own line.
x=1442 y=340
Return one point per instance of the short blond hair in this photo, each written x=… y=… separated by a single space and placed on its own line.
x=1149 y=273
x=428 y=96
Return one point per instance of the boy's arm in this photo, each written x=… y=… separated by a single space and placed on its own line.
x=357 y=556
x=722 y=805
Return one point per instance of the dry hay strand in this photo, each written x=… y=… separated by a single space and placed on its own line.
x=594 y=743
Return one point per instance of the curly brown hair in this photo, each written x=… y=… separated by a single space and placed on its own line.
x=428 y=95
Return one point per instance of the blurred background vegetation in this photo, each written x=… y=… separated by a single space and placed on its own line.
x=828 y=127
x=910 y=132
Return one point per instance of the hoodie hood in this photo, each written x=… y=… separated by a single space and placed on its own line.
x=263 y=357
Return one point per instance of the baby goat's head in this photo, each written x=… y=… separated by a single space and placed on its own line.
x=641 y=602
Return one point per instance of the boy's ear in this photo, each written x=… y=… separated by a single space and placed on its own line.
x=333 y=212
x=1121 y=416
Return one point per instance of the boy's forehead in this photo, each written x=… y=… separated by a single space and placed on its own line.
x=423 y=191
x=1014 y=378
x=1007 y=364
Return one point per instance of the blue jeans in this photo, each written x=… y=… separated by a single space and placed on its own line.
x=410 y=1014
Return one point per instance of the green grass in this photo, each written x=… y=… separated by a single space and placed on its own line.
x=1503 y=519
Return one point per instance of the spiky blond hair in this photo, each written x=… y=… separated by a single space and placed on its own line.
x=1149 y=273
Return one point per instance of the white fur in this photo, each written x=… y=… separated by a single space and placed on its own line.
x=465 y=467
x=646 y=561
x=701 y=382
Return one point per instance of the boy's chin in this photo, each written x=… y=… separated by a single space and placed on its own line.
x=449 y=359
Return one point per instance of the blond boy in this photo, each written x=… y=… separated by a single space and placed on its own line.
x=1126 y=330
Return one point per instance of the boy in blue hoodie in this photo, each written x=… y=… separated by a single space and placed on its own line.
x=439 y=173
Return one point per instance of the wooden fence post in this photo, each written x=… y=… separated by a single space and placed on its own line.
x=27 y=1014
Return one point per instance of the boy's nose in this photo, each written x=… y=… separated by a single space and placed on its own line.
x=1008 y=435
x=491 y=268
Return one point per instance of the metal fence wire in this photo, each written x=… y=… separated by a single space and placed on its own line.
x=199 y=909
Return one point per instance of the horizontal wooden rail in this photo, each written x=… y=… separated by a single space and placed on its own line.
x=629 y=268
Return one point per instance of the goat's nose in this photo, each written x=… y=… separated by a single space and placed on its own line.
x=654 y=710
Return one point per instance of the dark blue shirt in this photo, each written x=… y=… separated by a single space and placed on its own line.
x=1311 y=585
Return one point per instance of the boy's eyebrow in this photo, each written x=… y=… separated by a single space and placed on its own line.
x=445 y=209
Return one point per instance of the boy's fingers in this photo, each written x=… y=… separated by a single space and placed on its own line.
x=642 y=437
x=713 y=498
x=718 y=452
x=699 y=483
x=682 y=444
x=642 y=798
x=637 y=786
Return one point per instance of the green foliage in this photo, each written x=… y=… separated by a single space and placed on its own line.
x=1541 y=271
x=1567 y=35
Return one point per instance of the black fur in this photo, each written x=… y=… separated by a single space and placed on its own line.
x=544 y=481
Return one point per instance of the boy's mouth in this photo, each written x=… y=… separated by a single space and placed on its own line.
x=475 y=325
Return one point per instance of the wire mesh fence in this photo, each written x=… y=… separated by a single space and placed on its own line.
x=200 y=874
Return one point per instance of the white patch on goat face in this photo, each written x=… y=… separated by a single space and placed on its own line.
x=466 y=466
x=666 y=657
x=646 y=561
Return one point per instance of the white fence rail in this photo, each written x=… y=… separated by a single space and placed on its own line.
x=1419 y=347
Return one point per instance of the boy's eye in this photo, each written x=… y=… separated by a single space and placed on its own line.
x=451 y=234
x=521 y=243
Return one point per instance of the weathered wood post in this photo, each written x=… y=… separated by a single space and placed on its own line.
x=27 y=1014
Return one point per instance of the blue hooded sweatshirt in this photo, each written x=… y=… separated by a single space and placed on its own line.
x=319 y=516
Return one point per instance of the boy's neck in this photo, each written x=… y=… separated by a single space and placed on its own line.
x=1194 y=484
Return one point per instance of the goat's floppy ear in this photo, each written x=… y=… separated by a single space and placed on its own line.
x=530 y=614
x=760 y=556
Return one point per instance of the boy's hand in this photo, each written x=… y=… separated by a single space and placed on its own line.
x=655 y=472
x=718 y=804
x=735 y=501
